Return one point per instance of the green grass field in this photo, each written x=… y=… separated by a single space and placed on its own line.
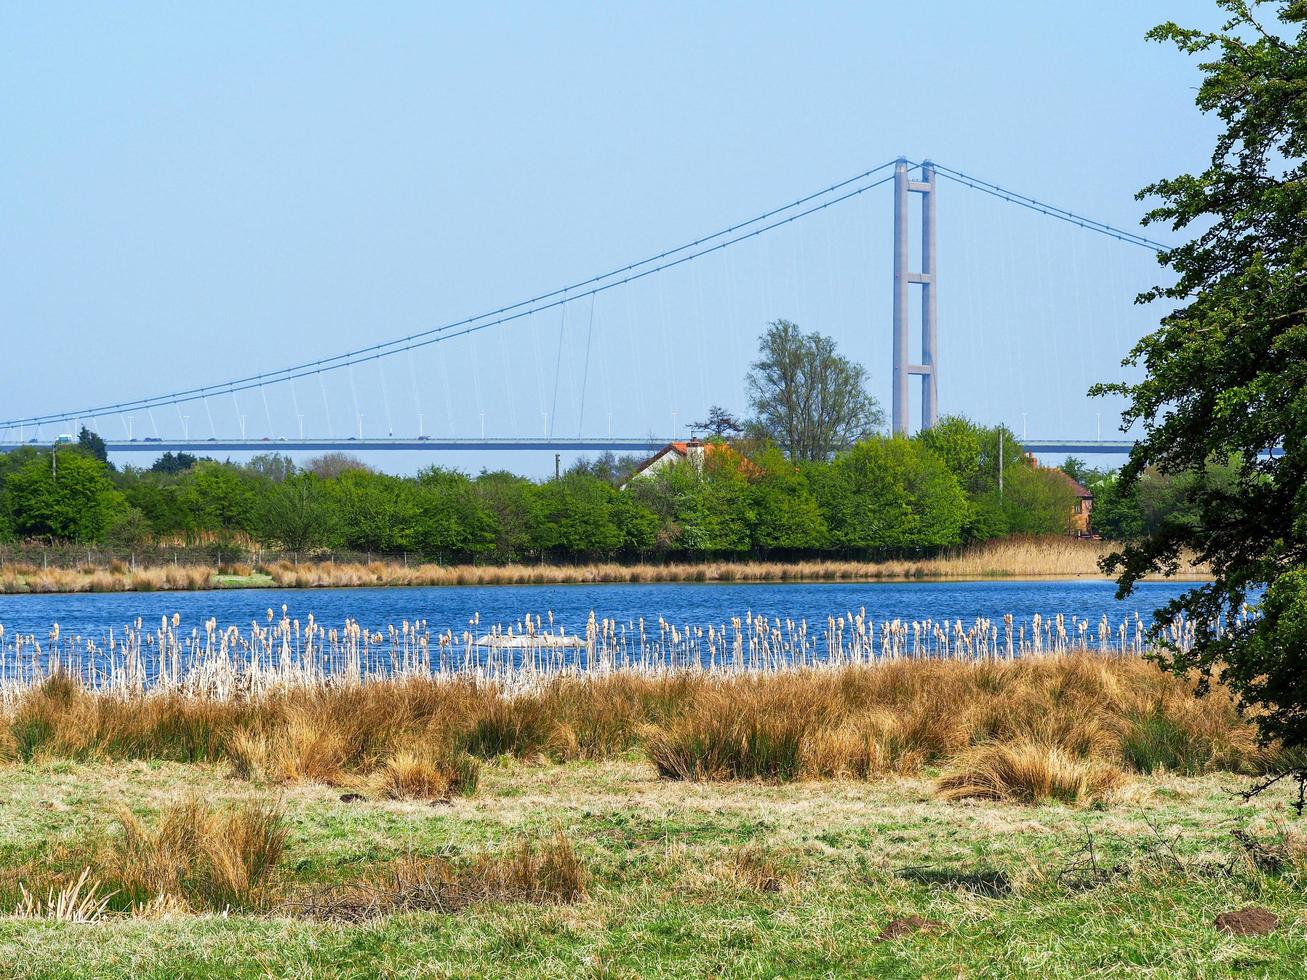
x=693 y=880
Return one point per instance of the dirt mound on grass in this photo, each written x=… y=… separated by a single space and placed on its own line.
x=1252 y=921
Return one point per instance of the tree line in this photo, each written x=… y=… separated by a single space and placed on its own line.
x=743 y=497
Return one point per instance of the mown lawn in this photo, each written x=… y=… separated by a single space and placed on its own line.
x=689 y=880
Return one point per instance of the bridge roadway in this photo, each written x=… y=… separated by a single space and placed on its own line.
x=206 y=447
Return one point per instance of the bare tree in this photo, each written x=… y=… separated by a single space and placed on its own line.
x=331 y=465
x=806 y=396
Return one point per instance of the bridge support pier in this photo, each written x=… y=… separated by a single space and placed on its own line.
x=903 y=278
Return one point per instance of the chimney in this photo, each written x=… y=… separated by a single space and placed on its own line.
x=694 y=452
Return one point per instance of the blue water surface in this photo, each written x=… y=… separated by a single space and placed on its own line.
x=693 y=604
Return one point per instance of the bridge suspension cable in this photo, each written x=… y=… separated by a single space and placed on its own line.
x=543 y=301
x=1061 y=214
x=591 y=287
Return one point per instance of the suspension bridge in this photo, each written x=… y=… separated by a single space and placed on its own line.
x=216 y=417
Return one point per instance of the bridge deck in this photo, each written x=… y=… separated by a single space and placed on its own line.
x=199 y=447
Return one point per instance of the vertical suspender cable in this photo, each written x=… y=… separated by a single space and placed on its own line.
x=354 y=392
x=585 y=373
x=558 y=366
x=385 y=397
x=417 y=395
x=267 y=412
x=326 y=407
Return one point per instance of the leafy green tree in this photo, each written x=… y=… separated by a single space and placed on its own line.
x=218 y=499
x=129 y=529
x=890 y=493
x=158 y=497
x=452 y=521
x=174 y=463
x=63 y=495
x=91 y=443
x=1079 y=470
x=1227 y=369
x=956 y=441
x=275 y=467
x=575 y=518
x=513 y=503
x=703 y=508
x=1117 y=516
x=806 y=397
x=295 y=513
x=786 y=515
x=374 y=512
x=607 y=467
x=1037 y=501
x=636 y=523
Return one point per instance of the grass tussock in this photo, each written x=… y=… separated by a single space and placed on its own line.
x=192 y=857
x=419 y=737
x=540 y=872
x=1059 y=556
x=1028 y=771
x=195 y=855
x=1068 y=728
x=413 y=774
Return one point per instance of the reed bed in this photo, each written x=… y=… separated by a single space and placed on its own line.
x=285 y=652
x=1020 y=558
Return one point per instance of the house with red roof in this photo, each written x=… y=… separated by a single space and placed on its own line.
x=695 y=450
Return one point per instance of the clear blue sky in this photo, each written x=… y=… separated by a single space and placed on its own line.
x=189 y=194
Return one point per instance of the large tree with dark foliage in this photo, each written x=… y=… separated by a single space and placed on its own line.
x=1227 y=371
x=93 y=444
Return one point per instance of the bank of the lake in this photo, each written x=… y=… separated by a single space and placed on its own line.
x=1025 y=558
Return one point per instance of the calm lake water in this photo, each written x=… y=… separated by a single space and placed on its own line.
x=695 y=604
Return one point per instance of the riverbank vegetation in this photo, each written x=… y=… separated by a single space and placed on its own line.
x=909 y=818
x=192 y=569
x=886 y=499
x=1073 y=726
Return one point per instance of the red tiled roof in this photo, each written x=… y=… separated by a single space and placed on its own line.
x=682 y=449
x=1081 y=491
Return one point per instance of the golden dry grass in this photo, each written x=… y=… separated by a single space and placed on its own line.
x=193 y=857
x=426 y=775
x=197 y=855
x=986 y=722
x=1050 y=557
x=1028 y=771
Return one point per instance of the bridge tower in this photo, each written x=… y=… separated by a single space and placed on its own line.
x=903 y=278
